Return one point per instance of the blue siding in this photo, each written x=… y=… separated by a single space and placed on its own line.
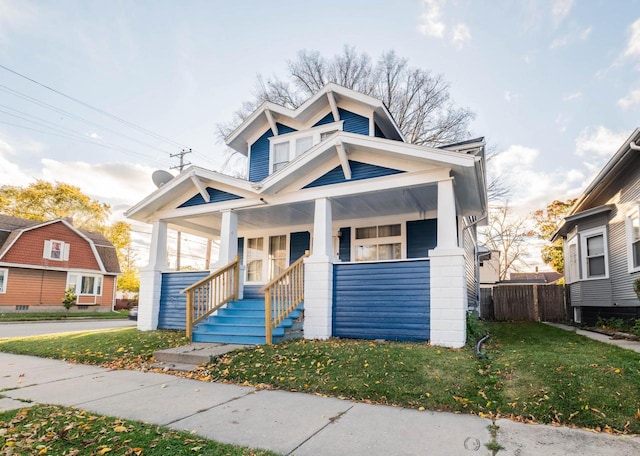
x=389 y=300
x=259 y=156
x=345 y=244
x=353 y=123
x=359 y=171
x=173 y=304
x=216 y=196
x=377 y=132
x=298 y=243
x=421 y=237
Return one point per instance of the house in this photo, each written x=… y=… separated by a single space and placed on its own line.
x=489 y=267
x=526 y=278
x=39 y=261
x=390 y=226
x=601 y=238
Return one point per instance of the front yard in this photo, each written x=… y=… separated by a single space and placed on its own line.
x=533 y=372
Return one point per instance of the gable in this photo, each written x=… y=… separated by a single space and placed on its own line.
x=353 y=123
x=359 y=171
x=259 y=154
x=215 y=195
x=29 y=246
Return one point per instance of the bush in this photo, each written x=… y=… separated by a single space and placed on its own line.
x=69 y=298
x=475 y=328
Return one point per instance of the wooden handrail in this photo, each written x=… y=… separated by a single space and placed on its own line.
x=209 y=294
x=282 y=295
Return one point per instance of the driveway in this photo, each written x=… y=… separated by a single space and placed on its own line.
x=25 y=329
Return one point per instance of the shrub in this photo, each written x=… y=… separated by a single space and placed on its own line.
x=69 y=298
x=475 y=328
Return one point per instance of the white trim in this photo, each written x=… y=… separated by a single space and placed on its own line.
x=201 y=188
x=631 y=214
x=584 y=236
x=266 y=260
x=570 y=275
x=51 y=268
x=401 y=239
x=5 y=278
x=78 y=282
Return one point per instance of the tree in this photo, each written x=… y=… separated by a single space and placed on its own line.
x=547 y=223
x=419 y=101
x=42 y=200
x=508 y=234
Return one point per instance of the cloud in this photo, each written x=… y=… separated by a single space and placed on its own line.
x=509 y=96
x=560 y=10
x=573 y=37
x=632 y=99
x=573 y=96
x=461 y=34
x=94 y=135
x=10 y=173
x=599 y=141
x=562 y=121
x=633 y=44
x=431 y=23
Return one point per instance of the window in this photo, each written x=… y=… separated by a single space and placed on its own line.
x=289 y=146
x=4 y=274
x=571 y=271
x=633 y=240
x=277 y=255
x=377 y=243
x=85 y=284
x=254 y=259
x=594 y=253
x=56 y=250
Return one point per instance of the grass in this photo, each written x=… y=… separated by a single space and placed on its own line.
x=532 y=373
x=42 y=316
x=45 y=429
x=115 y=348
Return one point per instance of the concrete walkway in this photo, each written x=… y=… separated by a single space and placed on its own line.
x=622 y=343
x=284 y=422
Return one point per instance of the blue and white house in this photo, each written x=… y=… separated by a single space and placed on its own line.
x=390 y=226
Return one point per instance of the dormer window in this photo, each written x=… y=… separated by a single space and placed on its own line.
x=289 y=146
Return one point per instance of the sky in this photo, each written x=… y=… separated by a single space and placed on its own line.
x=98 y=94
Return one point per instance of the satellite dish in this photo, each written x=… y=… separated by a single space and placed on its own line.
x=161 y=177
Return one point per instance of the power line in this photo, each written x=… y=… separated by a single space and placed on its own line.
x=101 y=111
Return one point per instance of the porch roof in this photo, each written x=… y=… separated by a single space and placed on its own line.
x=283 y=199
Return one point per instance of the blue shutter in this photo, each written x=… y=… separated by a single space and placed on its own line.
x=298 y=243
x=421 y=237
x=345 y=244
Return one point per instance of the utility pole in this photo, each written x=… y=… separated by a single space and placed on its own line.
x=180 y=167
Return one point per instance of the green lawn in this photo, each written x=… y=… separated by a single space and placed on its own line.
x=39 y=316
x=533 y=372
x=47 y=429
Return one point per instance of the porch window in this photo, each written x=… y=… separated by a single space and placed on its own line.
x=633 y=240
x=254 y=259
x=4 y=274
x=277 y=255
x=303 y=145
x=85 y=284
x=594 y=253
x=280 y=156
x=376 y=243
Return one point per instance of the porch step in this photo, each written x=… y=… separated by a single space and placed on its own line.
x=243 y=322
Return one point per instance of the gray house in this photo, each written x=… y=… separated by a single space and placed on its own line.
x=601 y=237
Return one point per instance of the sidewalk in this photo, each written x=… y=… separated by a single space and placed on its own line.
x=622 y=343
x=284 y=422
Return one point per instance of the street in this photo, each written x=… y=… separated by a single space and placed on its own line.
x=25 y=329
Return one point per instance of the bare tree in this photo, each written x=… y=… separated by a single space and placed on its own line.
x=507 y=233
x=419 y=101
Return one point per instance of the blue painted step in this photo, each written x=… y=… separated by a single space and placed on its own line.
x=241 y=322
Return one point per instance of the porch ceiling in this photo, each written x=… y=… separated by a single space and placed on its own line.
x=382 y=203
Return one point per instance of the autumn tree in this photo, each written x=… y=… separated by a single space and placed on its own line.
x=42 y=200
x=418 y=100
x=547 y=222
x=507 y=233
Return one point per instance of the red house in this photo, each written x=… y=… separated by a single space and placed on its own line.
x=40 y=260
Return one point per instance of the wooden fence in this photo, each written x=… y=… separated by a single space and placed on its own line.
x=525 y=303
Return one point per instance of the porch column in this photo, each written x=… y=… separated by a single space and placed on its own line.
x=228 y=239
x=318 y=275
x=151 y=278
x=448 y=279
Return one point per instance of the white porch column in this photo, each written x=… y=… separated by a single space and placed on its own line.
x=228 y=239
x=151 y=278
x=448 y=279
x=318 y=275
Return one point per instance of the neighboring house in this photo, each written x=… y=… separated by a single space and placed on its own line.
x=391 y=226
x=527 y=278
x=40 y=260
x=601 y=238
x=489 y=267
